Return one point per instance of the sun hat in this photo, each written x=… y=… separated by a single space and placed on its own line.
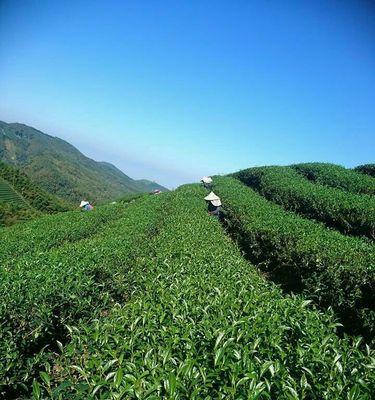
x=206 y=179
x=84 y=203
x=212 y=197
x=216 y=203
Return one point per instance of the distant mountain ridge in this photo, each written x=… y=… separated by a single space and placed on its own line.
x=61 y=169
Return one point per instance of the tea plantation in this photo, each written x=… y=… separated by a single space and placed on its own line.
x=21 y=199
x=155 y=299
x=345 y=211
x=7 y=194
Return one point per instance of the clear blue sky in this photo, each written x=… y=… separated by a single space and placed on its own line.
x=172 y=90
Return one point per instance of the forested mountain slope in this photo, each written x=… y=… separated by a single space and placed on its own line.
x=61 y=169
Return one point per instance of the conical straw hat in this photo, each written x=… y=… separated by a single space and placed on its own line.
x=206 y=179
x=83 y=203
x=216 y=203
x=212 y=196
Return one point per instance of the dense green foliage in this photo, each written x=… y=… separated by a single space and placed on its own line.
x=8 y=194
x=148 y=186
x=34 y=196
x=13 y=207
x=52 y=231
x=11 y=213
x=333 y=269
x=61 y=169
x=151 y=299
x=130 y=197
x=202 y=324
x=337 y=176
x=21 y=199
x=41 y=292
x=368 y=169
x=347 y=212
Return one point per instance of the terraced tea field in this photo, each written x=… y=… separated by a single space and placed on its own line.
x=21 y=199
x=8 y=195
x=156 y=299
x=347 y=212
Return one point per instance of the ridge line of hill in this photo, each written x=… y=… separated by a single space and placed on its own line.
x=61 y=169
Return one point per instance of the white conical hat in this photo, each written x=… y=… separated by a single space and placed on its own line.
x=212 y=196
x=216 y=203
x=83 y=203
x=206 y=179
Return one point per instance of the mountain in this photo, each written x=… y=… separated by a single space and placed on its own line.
x=61 y=169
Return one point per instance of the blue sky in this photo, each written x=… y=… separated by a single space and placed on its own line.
x=172 y=90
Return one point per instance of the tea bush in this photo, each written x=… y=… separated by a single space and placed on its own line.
x=368 y=169
x=347 y=212
x=51 y=231
x=14 y=213
x=333 y=269
x=9 y=195
x=29 y=193
x=338 y=177
x=206 y=325
x=76 y=282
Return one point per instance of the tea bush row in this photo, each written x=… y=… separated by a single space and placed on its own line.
x=347 y=212
x=331 y=268
x=75 y=282
x=338 y=177
x=207 y=326
x=368 y=169
x=31 y=195
x=51 y=231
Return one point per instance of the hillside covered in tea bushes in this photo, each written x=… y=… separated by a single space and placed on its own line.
x=21 y=199
x=153 y=298
x=368 y=169
x=349 y=213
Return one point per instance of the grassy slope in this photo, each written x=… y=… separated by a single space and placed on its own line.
x=60 y=168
